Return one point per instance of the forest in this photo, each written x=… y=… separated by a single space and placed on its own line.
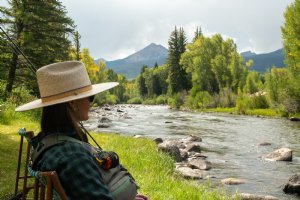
x=205 y=73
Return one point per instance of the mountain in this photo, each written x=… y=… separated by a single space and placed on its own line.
x=131 y=65
x=263 y=62
x=247 y=54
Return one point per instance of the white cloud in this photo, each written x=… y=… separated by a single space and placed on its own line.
x=113 y=28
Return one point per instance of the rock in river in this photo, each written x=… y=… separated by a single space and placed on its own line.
x=199 y=164
x=232 y=181
x=282 y=154
x=171 y=149
x=247 y=196
x=189 y=173
x=293 y=186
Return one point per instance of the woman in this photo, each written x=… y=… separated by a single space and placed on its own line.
x=66 y=96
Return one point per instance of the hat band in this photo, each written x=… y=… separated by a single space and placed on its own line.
x=67 y=94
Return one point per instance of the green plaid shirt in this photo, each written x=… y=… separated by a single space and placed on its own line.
x=77 y=170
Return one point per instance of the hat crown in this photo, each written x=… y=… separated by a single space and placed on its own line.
x=59 y=78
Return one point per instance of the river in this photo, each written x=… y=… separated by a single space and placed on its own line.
x=231 y=143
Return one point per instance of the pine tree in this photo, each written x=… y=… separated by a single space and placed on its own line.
x=77 y=37
x=173 y=61
x=185 y=78
x=142 y=83
x=178 y=79
x=197 y=34
x=41 y=29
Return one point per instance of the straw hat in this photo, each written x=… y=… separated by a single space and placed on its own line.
x=63 y=82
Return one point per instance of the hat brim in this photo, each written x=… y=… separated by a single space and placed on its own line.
x=96 y=88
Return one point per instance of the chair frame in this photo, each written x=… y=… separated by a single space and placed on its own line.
x=40 y=190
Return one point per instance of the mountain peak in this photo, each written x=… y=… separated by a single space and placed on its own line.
x=151 y=52
x=131 y=65
x=248 y=54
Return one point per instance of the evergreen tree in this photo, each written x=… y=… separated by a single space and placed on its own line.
x=41 y=29
x=185 y=78
x=77 y=37
x=141 y=83
x=197 y=34
x=178 y=78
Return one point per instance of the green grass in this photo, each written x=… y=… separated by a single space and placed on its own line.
x=263 y=112
x=223 y=110
x=153 y=170
x=268 y=112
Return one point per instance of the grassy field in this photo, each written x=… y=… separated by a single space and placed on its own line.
x=153 y=170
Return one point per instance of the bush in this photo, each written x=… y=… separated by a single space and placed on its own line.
x=201 y=100
x=111 y=99
x=105 y=98
x=242 y=103
x=258 y=101
x=162 y=99
x=226 y=98
x=149 y=102
x=8 y=114
x=135 y=100
x=176 y=101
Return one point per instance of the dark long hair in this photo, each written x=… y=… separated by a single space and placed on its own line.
x=59 y=118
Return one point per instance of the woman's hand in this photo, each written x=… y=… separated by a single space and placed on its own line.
x=141 y=197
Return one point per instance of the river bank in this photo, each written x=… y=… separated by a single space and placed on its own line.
x=232 y=143
x=156 y=179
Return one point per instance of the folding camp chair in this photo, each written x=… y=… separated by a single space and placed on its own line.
x=46 y=184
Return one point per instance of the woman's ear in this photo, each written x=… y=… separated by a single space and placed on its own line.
x=73 y=105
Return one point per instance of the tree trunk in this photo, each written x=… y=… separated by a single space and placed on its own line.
x=14 y=62
x=12 y=73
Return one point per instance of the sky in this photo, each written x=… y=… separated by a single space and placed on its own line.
x=114 y=29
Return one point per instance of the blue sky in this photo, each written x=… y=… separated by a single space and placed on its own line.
x=114 y=29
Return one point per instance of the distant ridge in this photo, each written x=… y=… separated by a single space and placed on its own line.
x=263 y=62
x=131 y=65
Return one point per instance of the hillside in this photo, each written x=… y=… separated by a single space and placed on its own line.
x=262 y=62
x=131 y=65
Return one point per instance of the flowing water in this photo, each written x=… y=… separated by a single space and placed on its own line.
x=231 y=143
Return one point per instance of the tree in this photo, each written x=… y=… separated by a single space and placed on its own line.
x=77 y=37
x=253 y=82
x=291 y=41
x=178 y=78
x=291 y=37
x=90 y=65
x=141 y=82
x=40 y=29
x=276 y=82
x=197 y=34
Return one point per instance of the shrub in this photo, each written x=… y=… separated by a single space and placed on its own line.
x=176 y=100
x=258 y=101
x=149 y=102
x=242 y=103
x=135 y=100
x=111 y=99
x=201 y=100
x=162 y=99
x=105 y=98
x=8 y=113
